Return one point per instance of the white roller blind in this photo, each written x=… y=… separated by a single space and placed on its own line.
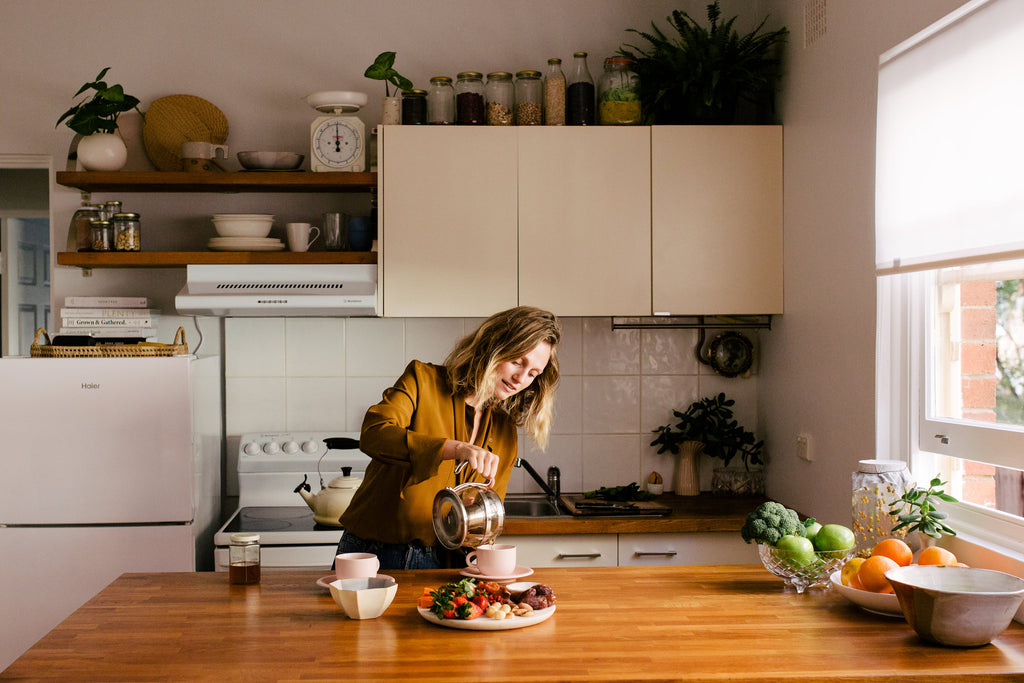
x=950 y=141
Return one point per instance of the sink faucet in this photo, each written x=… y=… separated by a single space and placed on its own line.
x=552 y=487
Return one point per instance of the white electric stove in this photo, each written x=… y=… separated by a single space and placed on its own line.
x=270 y=467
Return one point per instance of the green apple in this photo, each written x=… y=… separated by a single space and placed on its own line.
x=834 y=537
x=811 y=528
x=799 y=551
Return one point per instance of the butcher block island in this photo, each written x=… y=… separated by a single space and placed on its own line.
x=692 y=623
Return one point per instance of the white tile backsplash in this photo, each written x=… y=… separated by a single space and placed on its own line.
x=617 y=386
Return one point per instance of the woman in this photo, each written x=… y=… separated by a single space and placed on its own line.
x=500 y=377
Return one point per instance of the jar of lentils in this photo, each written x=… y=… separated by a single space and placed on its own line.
x=127 y=233
x=441 y=101
x=469 y=99
x=529 y=98
x=500 y=97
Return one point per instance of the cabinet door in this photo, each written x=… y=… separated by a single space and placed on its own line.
x=716 y=219
x=694 y=548
x=571 y=550
x=584 y=219
x=448 y=220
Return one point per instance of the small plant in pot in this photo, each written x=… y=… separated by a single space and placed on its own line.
x=95 y=120
x=383 y=69
x=916 y=511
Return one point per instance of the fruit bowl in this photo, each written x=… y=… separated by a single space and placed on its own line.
x=798 y=571
x=884 y=604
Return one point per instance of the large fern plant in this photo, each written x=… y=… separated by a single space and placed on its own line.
x=704 y=75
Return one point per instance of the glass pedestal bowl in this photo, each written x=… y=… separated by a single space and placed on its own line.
x=799 y=574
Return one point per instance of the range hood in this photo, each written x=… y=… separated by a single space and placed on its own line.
x=335 y=289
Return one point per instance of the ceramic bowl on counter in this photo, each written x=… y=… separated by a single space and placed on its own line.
x=270 y=161
x=798 y=573
x=959 y=606
x=243 y=224
x=364 y=598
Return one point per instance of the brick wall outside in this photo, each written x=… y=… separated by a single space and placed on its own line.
x=978 y=379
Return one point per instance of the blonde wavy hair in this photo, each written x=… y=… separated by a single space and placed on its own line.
x=507 y=336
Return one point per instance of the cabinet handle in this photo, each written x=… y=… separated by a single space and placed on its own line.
x=578 y=556
x=660 y=553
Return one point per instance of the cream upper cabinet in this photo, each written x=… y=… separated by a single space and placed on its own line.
x=716 y=219
x=584 y=219
x=448 y=212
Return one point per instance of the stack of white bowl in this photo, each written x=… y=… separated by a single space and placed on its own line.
x=244 y=232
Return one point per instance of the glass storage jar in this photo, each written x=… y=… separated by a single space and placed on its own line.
x=102 y=236
x=80 y=231
x=441 y=101
x=554 y=94
x=109 y=209
x=876 y=485
x=127 y=232
x=244 y=559
x=500 y=97
x=618 y=94
x=579 y=96
x=529 y=98
x=414 y=107
x=469 y=99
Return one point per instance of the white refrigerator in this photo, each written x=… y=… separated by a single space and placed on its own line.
x=107 y=465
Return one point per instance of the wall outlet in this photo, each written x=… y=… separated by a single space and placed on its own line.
x=803 y=447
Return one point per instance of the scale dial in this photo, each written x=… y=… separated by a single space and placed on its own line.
x=337 y=143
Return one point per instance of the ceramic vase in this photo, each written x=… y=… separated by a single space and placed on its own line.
x=687 y=475
x=391 y=111
x=102 y=152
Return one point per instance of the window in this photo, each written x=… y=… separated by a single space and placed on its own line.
x=950 y=263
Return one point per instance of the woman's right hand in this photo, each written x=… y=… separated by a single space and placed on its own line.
x=480 y=459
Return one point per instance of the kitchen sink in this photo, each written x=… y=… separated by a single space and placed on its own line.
x=516 y=506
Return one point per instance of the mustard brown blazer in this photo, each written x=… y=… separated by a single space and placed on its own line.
x=404 y=436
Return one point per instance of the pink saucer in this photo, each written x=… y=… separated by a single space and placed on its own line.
x=517 y=573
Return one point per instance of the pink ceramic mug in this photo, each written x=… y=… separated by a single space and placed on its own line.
x=355 y=565
x=498 y=559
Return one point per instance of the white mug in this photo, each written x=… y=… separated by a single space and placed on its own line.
x=496 y=559
x=202 y=150
x=355 y=565
x=299 y=237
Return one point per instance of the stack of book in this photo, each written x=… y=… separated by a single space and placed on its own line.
x=109 y=319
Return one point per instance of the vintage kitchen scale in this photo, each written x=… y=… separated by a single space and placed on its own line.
x=337 y=139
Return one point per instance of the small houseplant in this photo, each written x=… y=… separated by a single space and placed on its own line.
x=95 y=119
x=703 y=75
x=383 y=69
x=707 y=426
x=915 y=510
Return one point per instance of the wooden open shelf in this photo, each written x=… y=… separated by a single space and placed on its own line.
x=178 y=259
x=227 y=181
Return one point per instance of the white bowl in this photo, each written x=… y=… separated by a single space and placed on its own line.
x=960 y=606
x=243 y=224
x=364 y=598
x=270 y=161
x=885 y=604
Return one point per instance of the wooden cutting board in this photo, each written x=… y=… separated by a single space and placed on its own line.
x=594 y=507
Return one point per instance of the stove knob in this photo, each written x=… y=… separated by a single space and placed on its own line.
x=290 y=447
x=252 y=448
x=310 y=446
x=271 y=448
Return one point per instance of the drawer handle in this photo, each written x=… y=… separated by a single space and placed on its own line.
x=578 y=556
x=661 y=553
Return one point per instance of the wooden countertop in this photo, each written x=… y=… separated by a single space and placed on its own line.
x=700 y=623
x=705 y=512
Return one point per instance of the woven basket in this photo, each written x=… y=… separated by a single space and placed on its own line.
x=140 y=350
x=175 y=119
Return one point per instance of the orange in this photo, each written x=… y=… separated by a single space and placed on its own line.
x=855 y=583
x=895 y=549
x=936 y=555
x=872 y=573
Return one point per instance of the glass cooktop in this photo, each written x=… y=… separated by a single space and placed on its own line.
x=262 y=519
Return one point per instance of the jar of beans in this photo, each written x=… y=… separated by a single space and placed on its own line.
x=414 y=107
x=500 y=97
x=102 y=236
x=441 y=101
x=529 y=98
x=127 y=233
x=469 y=99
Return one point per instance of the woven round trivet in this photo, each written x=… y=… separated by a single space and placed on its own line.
x=175 y=119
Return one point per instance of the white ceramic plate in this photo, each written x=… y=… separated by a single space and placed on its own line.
x=245 y=240
x=885 y=604
x=485 y=623
x=518 y=573
x=246 y=247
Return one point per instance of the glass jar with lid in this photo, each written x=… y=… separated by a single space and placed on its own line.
x=579 y=96
x=469 y=99
x=127 y=232
x=876 y=485
x=554 y=94
x=529 y=98
x=80 y=231
x=618 y=94
x=500 y=98
x=102 y=236
x=109 y=209
x=414 y=107
x=244 y=559
x=441 y=101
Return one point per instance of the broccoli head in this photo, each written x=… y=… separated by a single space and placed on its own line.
x=770 y=522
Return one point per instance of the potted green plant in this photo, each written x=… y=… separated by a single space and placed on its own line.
x=703 y=75
x=383 y=69
x=94 y=118
x=916 y=511
x=707 y=426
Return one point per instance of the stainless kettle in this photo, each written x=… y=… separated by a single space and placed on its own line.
x=468 y=515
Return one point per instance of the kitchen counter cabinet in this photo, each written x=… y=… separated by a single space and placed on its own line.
x=736 y=623
x=566 y=550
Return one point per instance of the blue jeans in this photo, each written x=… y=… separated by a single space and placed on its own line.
x=394 y=555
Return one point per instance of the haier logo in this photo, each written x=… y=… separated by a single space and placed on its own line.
x=90 y=385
